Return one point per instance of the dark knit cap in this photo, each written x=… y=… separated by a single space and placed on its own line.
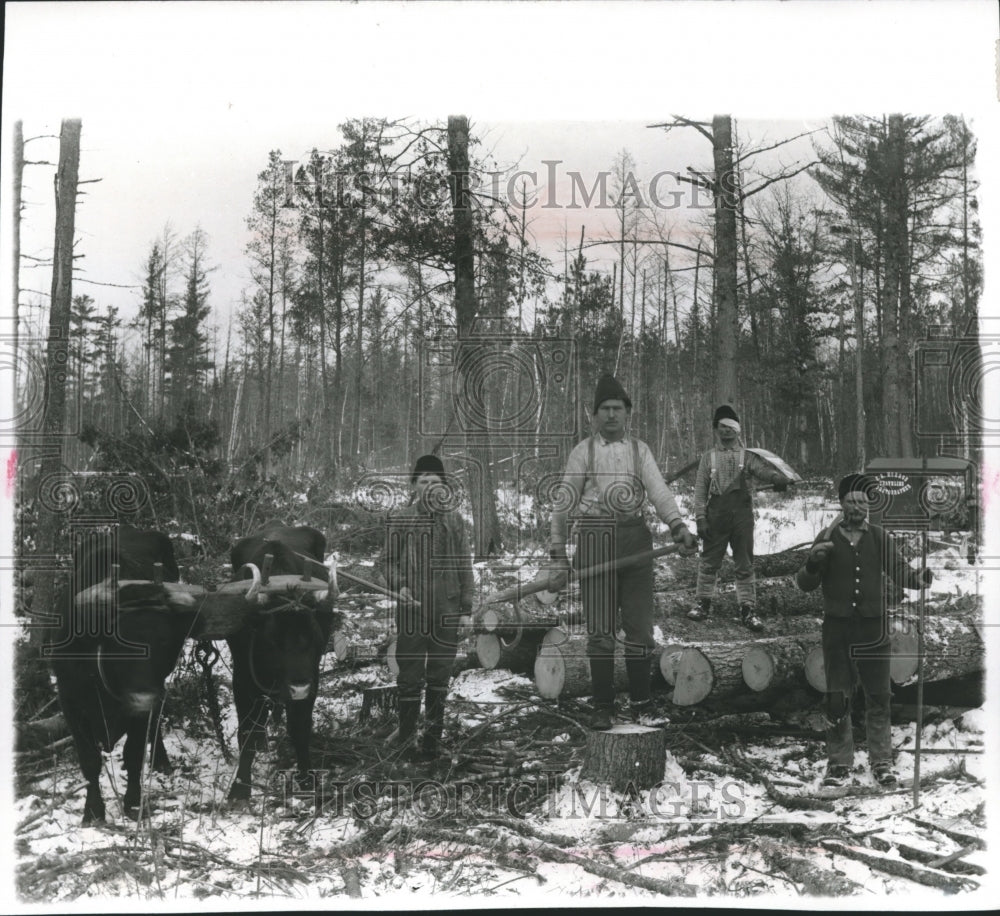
x=861 y=483
x=609 y=389
x=427 y=464
x=725 y=412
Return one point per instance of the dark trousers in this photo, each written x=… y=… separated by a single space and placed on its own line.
x=426 y=645
x=730 y=522
x=625 y=593
x=857 y=648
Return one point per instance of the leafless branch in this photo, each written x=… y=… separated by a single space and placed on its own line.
x=765 y=149
x=780 y=177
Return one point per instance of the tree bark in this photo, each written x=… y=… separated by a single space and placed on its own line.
x=625 y=755
x=16 y=238
x=57 y=356
x=726 y=188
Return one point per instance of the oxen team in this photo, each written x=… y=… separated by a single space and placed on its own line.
x=122 y=626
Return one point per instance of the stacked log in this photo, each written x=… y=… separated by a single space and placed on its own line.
x=562 y=668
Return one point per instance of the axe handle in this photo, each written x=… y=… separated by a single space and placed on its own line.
x=516 y=592
x=357 y=580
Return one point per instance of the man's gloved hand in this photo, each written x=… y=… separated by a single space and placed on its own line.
x=559 y=569
x=817 y=556
x=685 y=537
x=704 y=531
x=465 y=623
x=926 y=576
x=406 y=598
x=780 y=483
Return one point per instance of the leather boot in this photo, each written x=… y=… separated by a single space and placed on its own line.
x=701 y=611
x=409 y=712
x=434 y=711
x=637 y=670
x=602 y=676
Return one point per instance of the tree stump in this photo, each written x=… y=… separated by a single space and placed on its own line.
x=625 y=754
x=378 y=703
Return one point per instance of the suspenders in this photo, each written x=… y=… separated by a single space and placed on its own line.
x=713 y=481
x=636 y=467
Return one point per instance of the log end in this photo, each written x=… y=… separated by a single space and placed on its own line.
x=488 y=650
x=550 y=672
x=815 y=672
x=694 y=678
x=758 y=668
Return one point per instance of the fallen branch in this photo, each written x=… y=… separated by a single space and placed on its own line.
x=929 y=858
x=964 y=839
x=900 y=868
x=673 y=887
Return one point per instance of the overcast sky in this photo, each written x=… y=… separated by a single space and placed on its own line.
x=182 y=102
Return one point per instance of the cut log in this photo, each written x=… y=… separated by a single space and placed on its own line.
x=952 y=648
x=713 y=669
x=815 y=672
x=624 y=755
x=776 y=599
x=669 y=658
x=488 y=650
x=390 y=657
x=378 y=702
x=526 y=614
x=564 y=669
x=772 y=662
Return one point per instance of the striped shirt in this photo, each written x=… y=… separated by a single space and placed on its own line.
x=727 y=474
x=613 y=487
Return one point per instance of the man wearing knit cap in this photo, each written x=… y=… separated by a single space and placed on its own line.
x=611 y=475
x=723 y=506
x=428 y=562
x=848 y=559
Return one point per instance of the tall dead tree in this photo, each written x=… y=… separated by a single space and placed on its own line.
x=725 y=189
x=18 y=171
x=487 y=525
x=57 y=355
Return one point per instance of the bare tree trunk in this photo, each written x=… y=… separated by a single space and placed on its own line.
x=725 y=188
x=57 y=356
x=16 y=237
x=895 y=266
x=487 y=525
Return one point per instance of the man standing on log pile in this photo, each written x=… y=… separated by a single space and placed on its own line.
x=610 y=476
x=723 y=507
x=848 y=558
x=427 y=560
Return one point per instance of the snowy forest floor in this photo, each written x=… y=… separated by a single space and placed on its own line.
x=504 y=815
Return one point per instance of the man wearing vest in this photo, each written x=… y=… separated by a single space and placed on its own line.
x=723 y=507
x=611 y=475
x=848 y=559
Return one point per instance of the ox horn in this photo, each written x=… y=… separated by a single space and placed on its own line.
x=255 y=587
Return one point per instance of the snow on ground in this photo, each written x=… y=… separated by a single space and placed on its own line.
x=720 y=830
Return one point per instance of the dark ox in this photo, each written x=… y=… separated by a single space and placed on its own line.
x=276 y=656
x=111 y=655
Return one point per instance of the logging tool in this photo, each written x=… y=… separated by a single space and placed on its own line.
x=920 y=671
x=523 y=590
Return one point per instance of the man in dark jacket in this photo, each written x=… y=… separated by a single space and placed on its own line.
x=723 y=506
x=848 y=559
x=427 y=560
x=611 y=475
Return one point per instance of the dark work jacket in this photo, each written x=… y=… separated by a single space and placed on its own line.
x=852 y=576
x=449 y=587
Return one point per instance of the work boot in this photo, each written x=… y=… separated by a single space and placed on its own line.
x=637 y=670
x=837 y=774
x=644 y=712
x=701 y=611
x=434 y=698
x=884 y=776
x=409 y=712
x=749 y=618
x=602 y=718
x=602 y=679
